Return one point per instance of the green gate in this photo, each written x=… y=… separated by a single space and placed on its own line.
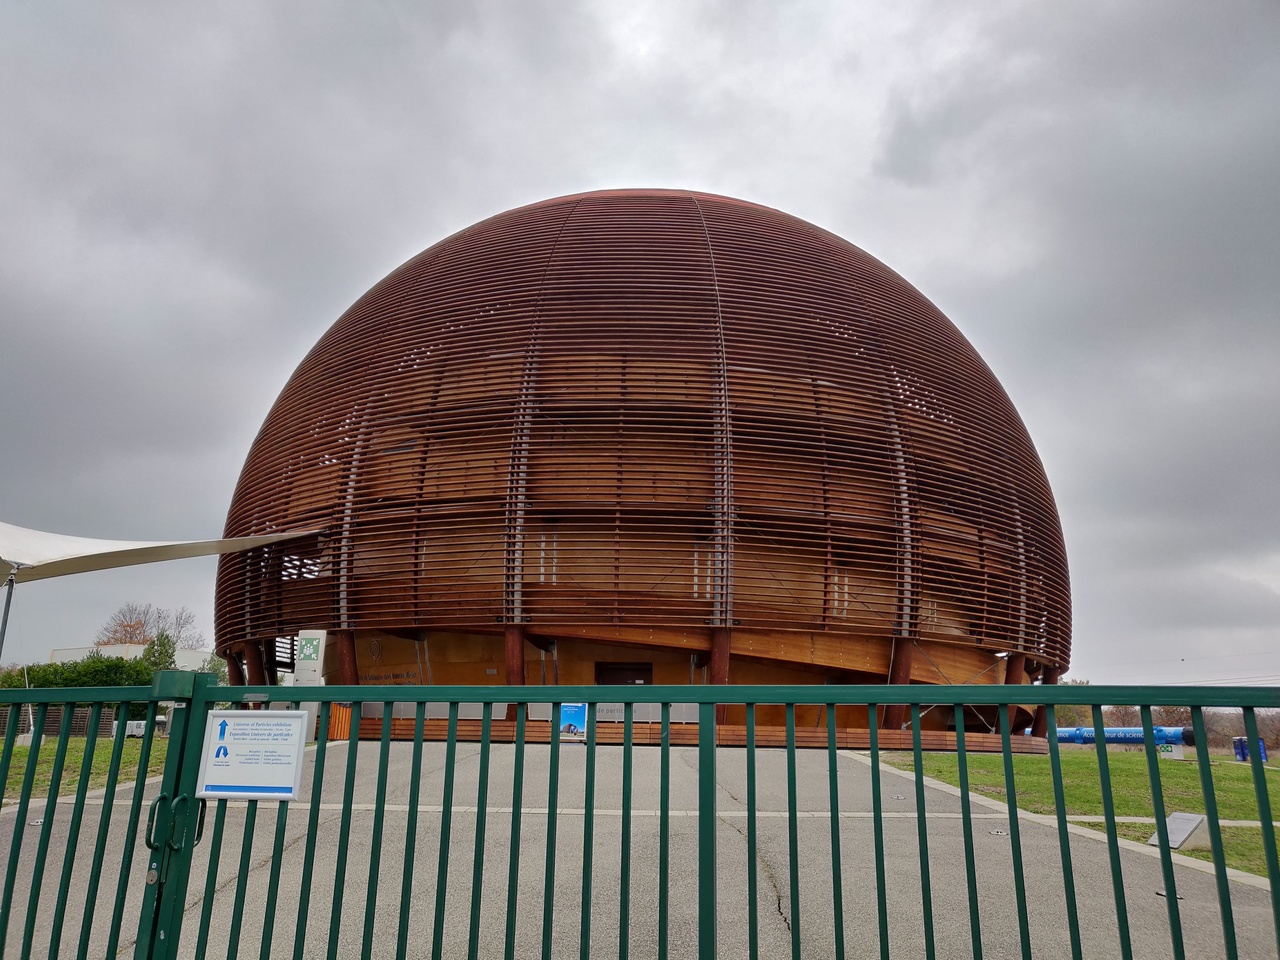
x=455 y=822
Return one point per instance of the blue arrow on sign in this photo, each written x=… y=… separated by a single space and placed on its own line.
x=222 y=730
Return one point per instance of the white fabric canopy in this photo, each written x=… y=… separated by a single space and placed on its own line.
x=39 y=555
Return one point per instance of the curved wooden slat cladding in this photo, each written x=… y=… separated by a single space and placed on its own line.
x=654 y=417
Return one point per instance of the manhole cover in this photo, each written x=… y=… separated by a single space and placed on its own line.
x=999 y=833
x=897 y=796
x=36 y=823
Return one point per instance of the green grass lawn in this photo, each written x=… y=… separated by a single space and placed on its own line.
x=1130 y=789
x=74 y=761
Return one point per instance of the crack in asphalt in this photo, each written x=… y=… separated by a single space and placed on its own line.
x=772 y=877
x=768 y=872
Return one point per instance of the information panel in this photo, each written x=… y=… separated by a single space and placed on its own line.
x=252 y=755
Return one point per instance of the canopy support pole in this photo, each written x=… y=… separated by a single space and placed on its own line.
x=8 y=601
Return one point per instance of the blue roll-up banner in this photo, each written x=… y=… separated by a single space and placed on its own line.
x=573 y=721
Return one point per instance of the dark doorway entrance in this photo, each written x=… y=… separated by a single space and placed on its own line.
x=624 y=673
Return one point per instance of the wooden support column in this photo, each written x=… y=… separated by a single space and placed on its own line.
x=348 y=671
x=514 y=637
x=235 y=672
x=720 y=637
x=254 y=665
x=1015 y=673
x=899 y=673
x=1040 y=726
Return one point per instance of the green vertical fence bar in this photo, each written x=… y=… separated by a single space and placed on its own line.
x=211 y=879
x=131 y=830
x=446 y=825
x=624 y=884
x=273 y=878
x=588 y=835
x=706 y=831
x=753 y=891
x=1162 y=833
x=1113 y=847
x=73 y=830
x=46 y=828
x=104 y=825
x=482 y=813
x=159 y=927
x=1064 y=836
x=1215 y=834
x=966 y=822
x=877 y=822
x=410 y=832
x=273 y=881
x=793 y=837
x=6 y=755
x=837 y=889
x=549 y=873
x=1015 y=833
x=664 y=833
x=517 y=800
x=20 y=822
x=1264 y=815
x=922 y=834
x=242 y=879
x=375 y=844
x=313 y=822
x=344 y=829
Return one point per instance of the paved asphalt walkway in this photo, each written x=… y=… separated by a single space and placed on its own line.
x=1147 y=910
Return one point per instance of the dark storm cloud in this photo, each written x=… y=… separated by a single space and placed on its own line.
x=1139 y=334
x=190 y=195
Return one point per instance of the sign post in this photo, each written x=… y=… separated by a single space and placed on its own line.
x=252 y=755
x=308 y=671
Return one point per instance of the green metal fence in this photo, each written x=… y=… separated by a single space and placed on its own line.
x=487 y=832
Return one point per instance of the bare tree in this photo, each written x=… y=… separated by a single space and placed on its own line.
x=132 y=623
x=179 y=624
x=1269 y=727
x=1070 y=715
x=1171 y=716
x=140 y=622
x=1222 y=725
x=1121 y=716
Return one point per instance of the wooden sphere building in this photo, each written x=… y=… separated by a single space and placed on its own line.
x=655 y=436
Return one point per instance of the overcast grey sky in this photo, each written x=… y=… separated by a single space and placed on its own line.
x=191 y=194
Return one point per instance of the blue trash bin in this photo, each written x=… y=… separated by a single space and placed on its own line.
x=1241 y=745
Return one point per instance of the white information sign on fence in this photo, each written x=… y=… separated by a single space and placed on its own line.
x=252 y=755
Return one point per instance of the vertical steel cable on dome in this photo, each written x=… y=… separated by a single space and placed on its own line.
x=518 y=471
x=722 y=455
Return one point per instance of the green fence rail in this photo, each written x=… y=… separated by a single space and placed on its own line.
x=488 y=830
